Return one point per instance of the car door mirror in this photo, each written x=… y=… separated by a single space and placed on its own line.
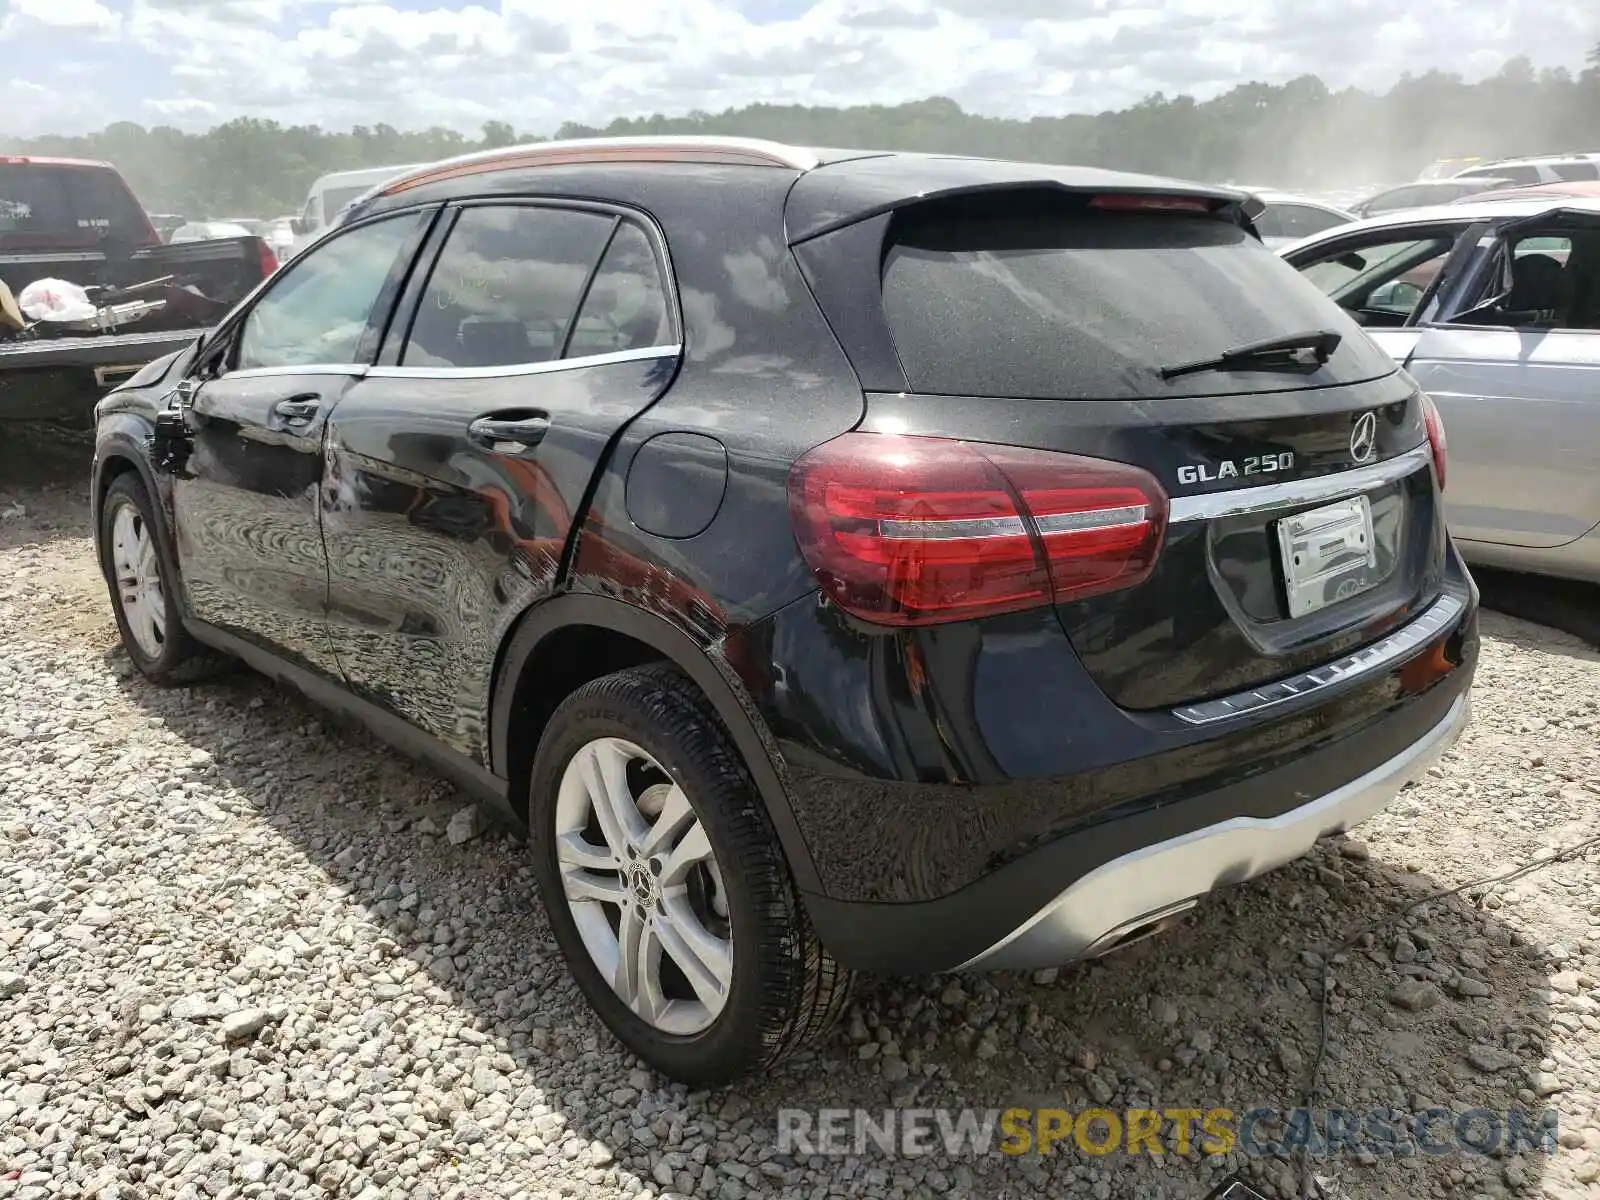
x=1398 y=295
x=299 y=225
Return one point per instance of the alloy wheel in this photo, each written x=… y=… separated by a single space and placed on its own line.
x=139 y=588
x=644 y=887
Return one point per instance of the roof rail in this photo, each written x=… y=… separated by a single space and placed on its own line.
x=737 y=151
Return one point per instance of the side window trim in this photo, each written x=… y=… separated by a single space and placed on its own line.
x=398 y=331
x=226 y=335
x=548 y=367
x=588 y=285
x=386 y=365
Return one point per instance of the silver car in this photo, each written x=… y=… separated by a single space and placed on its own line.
x=1288 y=218
x=1494 y=308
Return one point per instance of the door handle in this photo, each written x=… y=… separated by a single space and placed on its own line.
x=298 y=408
x=522 y=431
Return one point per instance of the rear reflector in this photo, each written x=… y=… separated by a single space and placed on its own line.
x=918 y=531
x=1135 y=202
x=1436 y=438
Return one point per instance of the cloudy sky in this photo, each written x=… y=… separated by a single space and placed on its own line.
x=72 y=65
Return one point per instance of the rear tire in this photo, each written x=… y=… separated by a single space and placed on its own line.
x=145 y=606
x=675 y=869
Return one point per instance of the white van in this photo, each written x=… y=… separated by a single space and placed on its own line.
x=332 y=192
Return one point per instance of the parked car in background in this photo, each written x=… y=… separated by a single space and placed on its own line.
x=1422 y=195
x=1287 y=217
x=280 y=235
x=277 y=232
x=78 y=221
x=165 y=223
x=332 y=193
x=1546 y=168
x=205 y=231
x=1493 y=306
x=1343 y=199
x=677 y=496
x=1444 y=168
x=1576 y=190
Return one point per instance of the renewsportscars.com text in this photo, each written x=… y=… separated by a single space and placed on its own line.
x=1262 y=1131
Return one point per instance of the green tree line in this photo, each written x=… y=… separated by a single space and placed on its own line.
x=1298 y=134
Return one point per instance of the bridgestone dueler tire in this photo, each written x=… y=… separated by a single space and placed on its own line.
x=182 y=659
x=786 y=989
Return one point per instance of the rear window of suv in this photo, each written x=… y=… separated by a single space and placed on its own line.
x=53 y=204
x=1050 y=299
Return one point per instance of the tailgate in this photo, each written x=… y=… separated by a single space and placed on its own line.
x=1301 y=516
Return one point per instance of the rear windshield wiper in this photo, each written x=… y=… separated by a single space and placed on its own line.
x=1304 y=350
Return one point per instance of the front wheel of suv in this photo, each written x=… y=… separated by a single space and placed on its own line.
x=142 y=598
x=665 y=884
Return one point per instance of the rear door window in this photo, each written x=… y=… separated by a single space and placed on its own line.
x=1522 y=174
x=1048 y=298
x=1578 y=170
x=626 y=307
x=506 y=286
x=41 y=202
x=1396 y=198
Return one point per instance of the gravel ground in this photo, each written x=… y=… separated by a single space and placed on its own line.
x=245 y=953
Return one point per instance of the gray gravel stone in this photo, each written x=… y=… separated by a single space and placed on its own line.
x=245 y=1023
x=1491 y=1058
x=1414 y=995
x=466 y=824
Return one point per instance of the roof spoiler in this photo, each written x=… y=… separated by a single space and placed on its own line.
x=1220 y=198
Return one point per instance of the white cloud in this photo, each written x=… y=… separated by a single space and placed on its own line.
x=64 y=16
x=537 y=63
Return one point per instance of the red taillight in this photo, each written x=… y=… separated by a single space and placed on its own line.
x=1140 y=202
x=917 y=530
x=269 y=260
x=1436 y=437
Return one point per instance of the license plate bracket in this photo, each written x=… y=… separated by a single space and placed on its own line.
x=1327 y=554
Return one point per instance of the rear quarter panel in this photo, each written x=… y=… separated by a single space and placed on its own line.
x=762 y=376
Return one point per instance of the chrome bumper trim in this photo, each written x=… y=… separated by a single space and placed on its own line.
x=1145 y=884
x=1268 y=496
x=1406 y=640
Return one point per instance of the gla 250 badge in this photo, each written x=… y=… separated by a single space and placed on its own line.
x=1256 y=464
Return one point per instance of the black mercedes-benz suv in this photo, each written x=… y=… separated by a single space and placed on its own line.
x=835 y=561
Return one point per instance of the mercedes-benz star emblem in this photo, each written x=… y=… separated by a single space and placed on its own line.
x=1364 y=437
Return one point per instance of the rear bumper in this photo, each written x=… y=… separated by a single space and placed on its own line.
x=1035 y=822
x=1137 y=891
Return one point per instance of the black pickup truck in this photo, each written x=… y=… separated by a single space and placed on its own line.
x=79 y=222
